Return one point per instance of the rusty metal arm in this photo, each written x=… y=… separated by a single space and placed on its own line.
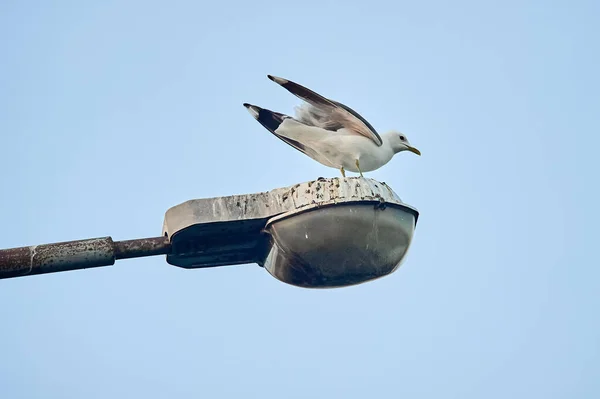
x=73 y=255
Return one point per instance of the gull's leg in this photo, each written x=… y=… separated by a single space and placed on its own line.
x=358 y=166
x=343 y=171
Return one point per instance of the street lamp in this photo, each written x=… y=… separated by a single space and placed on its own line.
x=319 y=234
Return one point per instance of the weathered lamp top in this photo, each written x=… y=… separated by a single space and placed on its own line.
x=268 y=204
x=247 y=229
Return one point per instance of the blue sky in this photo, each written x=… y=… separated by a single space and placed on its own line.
x=111 y=112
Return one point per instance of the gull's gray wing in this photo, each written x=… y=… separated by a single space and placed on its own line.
x=338 y=114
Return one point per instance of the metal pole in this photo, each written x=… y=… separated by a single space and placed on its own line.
x=74 y=255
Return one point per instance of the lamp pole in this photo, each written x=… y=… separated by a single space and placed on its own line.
x=323 y=233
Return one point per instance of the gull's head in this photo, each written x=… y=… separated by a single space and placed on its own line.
x=399 y=142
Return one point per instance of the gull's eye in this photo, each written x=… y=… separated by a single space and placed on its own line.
x=402 y=138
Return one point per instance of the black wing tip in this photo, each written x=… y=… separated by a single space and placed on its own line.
x=278 y=80
x=269 y=119
x=253 y=109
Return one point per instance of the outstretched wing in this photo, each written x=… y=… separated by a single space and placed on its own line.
x=271 y=121
x=328 y=114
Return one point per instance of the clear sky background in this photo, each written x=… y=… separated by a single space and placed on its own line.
x=111 y=112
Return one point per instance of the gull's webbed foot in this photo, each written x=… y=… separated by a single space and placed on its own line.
x=343 y=171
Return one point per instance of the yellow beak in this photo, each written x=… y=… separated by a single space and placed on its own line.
x=413 y=149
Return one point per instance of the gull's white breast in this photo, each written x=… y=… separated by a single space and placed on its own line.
x=338 y=149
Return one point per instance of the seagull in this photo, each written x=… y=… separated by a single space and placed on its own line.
x=330 y=132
